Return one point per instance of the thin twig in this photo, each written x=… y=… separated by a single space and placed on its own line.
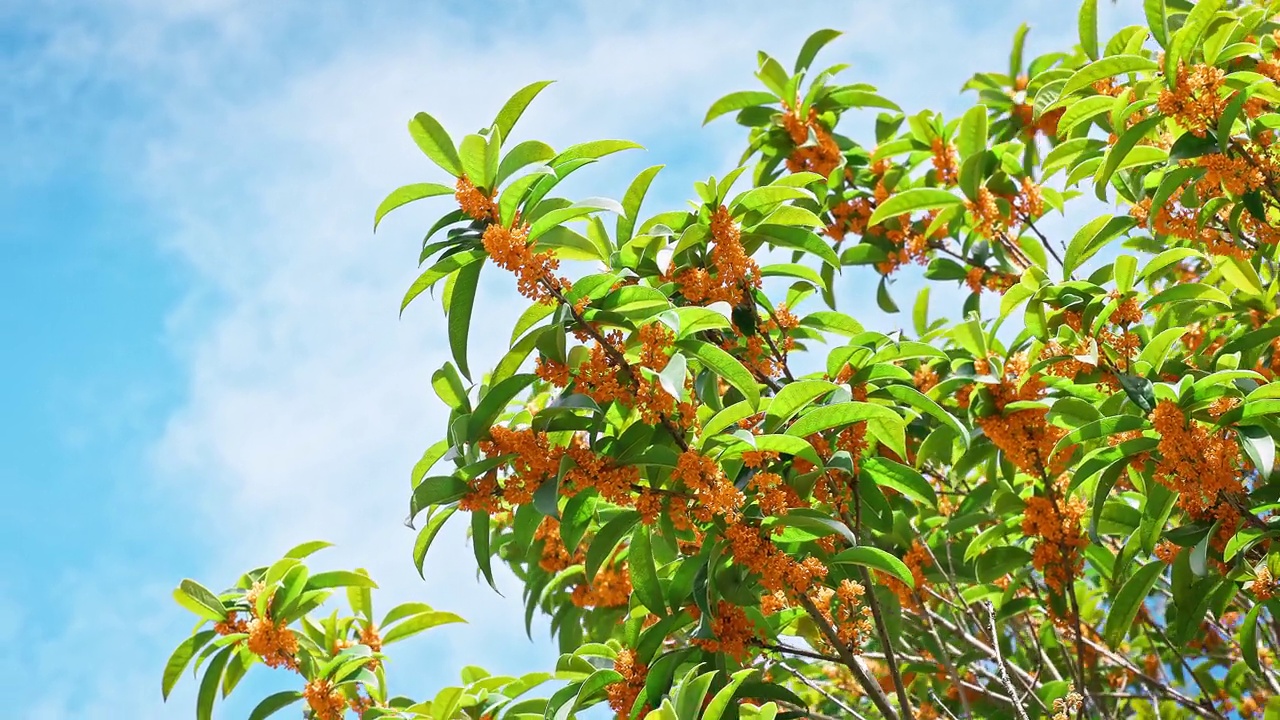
x=1000 y=662
x=823 y=692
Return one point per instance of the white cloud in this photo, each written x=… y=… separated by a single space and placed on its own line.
x=308 y=400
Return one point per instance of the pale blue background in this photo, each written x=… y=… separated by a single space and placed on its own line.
x=202 y=363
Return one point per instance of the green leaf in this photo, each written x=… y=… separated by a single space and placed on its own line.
x=515 y=107
x=418 y=623
x=1157 y=350
x=606 y=539
x=1185 y=40
x=1082 y=110
x=480 y=546
x=914 y=200
x=579 y=209
x=592 y=150
x=811 y=47
x=925 y=404
x=460 y=307
x=815 y=521
x=720 y=702
x=1102 y=69
x=1167 y=258
x=1015 y=55
x=427 y=535
x=832 y=322
x=407 y=194
x=1115 y=157
x=449 y=388
x=644 y=574
x=793 y=398
x=435 y=143
x=521 y=156
x=494 y=402
x=181 y=657
x=1249 y=638
x=307 y=548
x=442 y=269
x=340 y=578
x=920 y=312
x=902 y=478
x=631 y=204
x=1184 y=292
x=272 y=703
x=1157 y=21
x=877 y=559
x=1088 y=24
x=1000 y=561
x=436 y=490
x=737 y=101
x=971 y=138
x=199 y=600
x=693 y=691
x=883 y=300
x=1124 y=608
x=1093 y=237
x=724 y=365
x=472 y=151
x=209 y=684
x=839 y=415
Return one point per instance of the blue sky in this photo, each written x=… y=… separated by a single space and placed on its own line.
x=203 y=363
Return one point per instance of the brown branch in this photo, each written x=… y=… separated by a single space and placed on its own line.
x=823 y=692
x=1001 y=664
x=851 y=661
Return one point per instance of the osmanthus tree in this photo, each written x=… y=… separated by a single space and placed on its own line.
x=734 y=502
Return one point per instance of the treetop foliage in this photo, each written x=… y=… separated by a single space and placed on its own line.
x=733 y=501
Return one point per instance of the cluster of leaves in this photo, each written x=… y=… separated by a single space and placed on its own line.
x=733 y=508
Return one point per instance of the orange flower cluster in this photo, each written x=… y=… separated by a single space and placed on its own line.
x=980 y=278
x=1196 y=464
x=849 y=216
x=989 y=222
x=1195 y=101
x=1178 y=221
x=623 y=694
x=656 y=345
x=735 y=272
x=325 y=700
x=917 y=559
x=271 y=641
x=1046 y=125
x=778 y=571
x=1234 y=174
x=925 y=378
x=509 y=249
x=734 y=633
x=1065 y=707
x=473 y=202
x=1024 y=436
x=611 y=586
x=1059 y=538
x=843 y=608
x=1167 y=552
x=822 y=156
x=534 y=460
x=774 y=495
x=1028 y=204
x=714 y=494
x=910 y=247
x=945 y=162
x=1264 y=585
